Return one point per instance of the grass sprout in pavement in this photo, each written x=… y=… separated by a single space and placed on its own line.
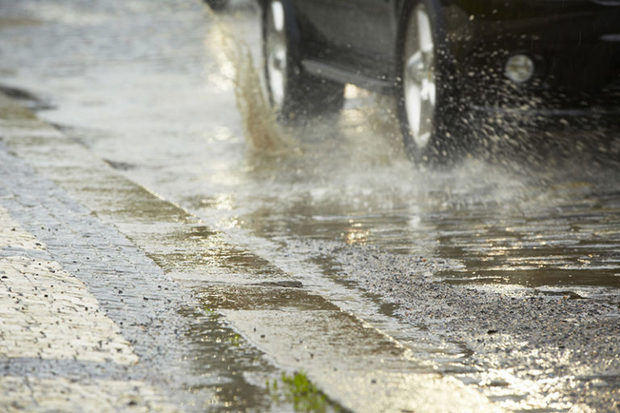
x=298 y=390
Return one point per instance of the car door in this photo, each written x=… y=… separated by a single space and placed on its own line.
x=323 y=25
x=353 y=34
x=371 y=36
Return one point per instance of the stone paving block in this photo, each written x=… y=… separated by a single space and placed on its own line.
x=135 y=293
x=10 y=237
x=61 y=395
x=48 y=314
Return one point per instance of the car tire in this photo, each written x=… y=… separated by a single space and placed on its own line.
x=294 y=94
x=426 y=103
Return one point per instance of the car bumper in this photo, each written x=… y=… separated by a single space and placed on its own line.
x=574 y=47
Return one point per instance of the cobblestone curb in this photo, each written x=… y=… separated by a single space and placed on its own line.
x=48 y=314
x=180 y=348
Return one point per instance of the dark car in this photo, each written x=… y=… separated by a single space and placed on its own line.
x=443 y=59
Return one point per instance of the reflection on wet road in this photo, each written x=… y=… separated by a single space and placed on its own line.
x=474 y=268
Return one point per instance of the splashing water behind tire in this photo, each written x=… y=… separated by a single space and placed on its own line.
x=261 y=129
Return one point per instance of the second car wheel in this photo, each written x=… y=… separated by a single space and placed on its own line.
x=293 y=93
x=424 y=101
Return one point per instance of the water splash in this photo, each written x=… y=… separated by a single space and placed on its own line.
x=261 y=129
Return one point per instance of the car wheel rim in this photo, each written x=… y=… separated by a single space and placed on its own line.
x=419 y=77
x=276 y=52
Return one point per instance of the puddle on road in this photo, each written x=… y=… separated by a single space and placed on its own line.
x=526 y=237
x=233 y=369
x=263 y=297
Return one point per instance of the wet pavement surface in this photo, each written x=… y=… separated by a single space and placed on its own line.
x=317 y=248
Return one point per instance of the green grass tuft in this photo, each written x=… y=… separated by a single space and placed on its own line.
x=298 y=390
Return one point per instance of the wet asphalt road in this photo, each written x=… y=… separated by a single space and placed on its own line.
x=502 y=272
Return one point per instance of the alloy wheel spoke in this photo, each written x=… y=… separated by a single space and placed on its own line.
x=428 y=91
x=425 y=39
x=419 y=78
x=415 y=66
x=276 y=54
